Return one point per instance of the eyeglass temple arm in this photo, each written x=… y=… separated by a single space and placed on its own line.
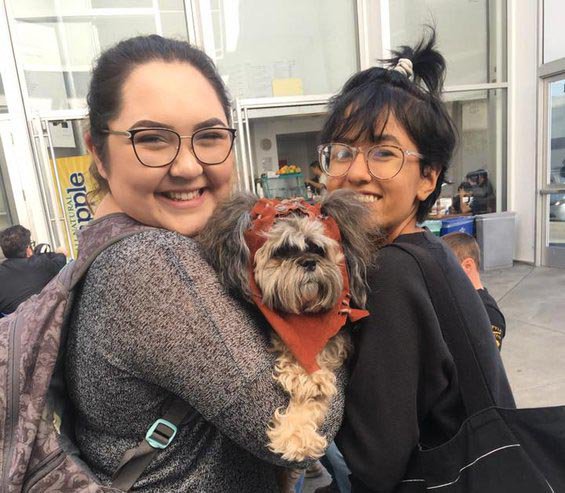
x=117 y=132
x=414 y=153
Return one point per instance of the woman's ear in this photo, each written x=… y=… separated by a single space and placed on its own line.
x=96 y=158
x=428 y=181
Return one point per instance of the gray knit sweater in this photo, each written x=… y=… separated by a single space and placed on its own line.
x=152 y=320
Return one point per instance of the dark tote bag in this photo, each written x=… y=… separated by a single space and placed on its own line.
x=496 y=450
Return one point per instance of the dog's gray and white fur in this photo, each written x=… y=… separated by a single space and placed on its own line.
x=297 y=271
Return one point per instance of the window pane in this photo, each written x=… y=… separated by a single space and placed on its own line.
x=480 y=159
x=553 y=32
x=557 y=162
x=120 y=4
x=3 y=102
x=557 y=219
x=283 y=136
x=292 y=143
x=58 y=41
x=281 y=47
x=471 y=35
x=557 y=132
x=6 y=218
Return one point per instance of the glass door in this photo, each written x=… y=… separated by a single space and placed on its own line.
x=553 y=186
x=64 y=163
x=277 y=140
x=7 y=207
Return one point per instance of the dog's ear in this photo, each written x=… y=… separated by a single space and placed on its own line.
x=224 y=245
x=361 y=238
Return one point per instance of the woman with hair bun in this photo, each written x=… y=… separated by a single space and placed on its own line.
x=389 y=137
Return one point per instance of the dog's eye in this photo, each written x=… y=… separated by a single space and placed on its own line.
x=315 y=249
x=287 y=251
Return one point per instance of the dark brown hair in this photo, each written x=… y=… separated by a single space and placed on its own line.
x=14 y=241
x=111 y=72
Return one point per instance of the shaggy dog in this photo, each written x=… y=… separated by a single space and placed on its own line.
x=302 y=265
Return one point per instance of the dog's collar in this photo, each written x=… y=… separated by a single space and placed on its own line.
x=305 y=335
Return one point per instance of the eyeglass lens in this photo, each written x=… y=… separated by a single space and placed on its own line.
x=159 y=147
x=384 y=161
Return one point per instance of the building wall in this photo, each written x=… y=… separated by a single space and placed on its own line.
x=523 y=32
x=522 y=124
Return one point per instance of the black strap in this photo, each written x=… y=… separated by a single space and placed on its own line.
x=474 y=390
x=136 y=460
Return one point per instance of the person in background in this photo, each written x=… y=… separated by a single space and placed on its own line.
x=467 y=251
x=389 y=137
x=319 y=179
x=459 y=201
x=24 y=274
x=483 y=198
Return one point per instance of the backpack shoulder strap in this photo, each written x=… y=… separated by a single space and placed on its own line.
x=158 y=437
x=82 y=265
x=162 y=432
x=474 y=390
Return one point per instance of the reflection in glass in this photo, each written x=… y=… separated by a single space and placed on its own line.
x=3 y=102
x=557 y=220
x=557 y=132
x=471 y=35
x=553 y=32
x=6 y=218
x=557 y=163
x=479 y=162
x=281 y=47
x=58 y=41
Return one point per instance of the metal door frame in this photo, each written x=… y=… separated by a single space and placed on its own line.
x=550 y=256
x=44 y=151
x=4 y=174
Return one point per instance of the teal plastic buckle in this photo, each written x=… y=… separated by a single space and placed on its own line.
x=161 y=438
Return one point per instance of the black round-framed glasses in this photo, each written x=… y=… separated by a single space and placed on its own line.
x=384 y=162
x=156 y=147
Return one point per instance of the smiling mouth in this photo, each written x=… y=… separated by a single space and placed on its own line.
x=183 y=196
x=367 y=198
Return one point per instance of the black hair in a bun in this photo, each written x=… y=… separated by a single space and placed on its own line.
x=360 y=111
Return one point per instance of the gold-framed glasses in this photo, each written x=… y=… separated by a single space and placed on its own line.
x=384 y=162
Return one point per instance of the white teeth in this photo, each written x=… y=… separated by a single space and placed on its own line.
x=183 y=195
x=367 y=198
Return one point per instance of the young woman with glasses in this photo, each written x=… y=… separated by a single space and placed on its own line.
x=152 y=321
x=389 y=137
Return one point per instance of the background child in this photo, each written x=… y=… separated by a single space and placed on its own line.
x=467 y=251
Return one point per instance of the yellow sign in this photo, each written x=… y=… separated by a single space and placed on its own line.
x=74 y=182
x=287 y=87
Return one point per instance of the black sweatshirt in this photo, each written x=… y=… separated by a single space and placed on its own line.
x=404 y=389
x=497 y=320
x=21 y=278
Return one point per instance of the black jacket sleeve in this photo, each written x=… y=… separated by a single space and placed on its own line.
x=398 y=349
x=52 y=262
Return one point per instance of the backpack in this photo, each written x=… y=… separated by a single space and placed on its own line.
x=37 y=453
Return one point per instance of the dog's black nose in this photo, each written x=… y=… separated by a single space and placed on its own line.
x=309 y=265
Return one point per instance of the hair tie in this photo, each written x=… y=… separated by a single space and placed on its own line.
x=405 y=67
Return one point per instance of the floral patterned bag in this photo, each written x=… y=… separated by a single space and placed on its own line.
x=36 y=454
